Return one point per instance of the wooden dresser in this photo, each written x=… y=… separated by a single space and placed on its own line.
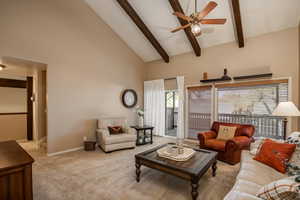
x=15 y=172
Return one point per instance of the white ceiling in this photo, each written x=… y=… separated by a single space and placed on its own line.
x=258 y=17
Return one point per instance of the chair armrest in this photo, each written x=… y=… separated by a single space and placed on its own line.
x=206 y=136
x=238 y=143
x=129 y=130
x=103 y=132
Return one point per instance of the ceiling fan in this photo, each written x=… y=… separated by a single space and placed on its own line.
x=197 y=18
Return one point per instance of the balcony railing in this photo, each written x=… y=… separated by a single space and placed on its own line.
x=265 y=125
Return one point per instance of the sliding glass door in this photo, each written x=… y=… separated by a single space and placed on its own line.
x=199 y=110
x=253 y=105
x=242 y=103
x=171 y=110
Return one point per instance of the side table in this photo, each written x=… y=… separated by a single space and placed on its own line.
x=89 y=145
x=145 y=138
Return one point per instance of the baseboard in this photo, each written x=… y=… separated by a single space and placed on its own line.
x=22 y=140
x=65 y=151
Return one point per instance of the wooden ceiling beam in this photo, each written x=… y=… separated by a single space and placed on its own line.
x=235 y=7
x=145 y=30
x=177 y=8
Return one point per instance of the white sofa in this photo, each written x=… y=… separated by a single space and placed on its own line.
x=109 y=142
x=252 y=176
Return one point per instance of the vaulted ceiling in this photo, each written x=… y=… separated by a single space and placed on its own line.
x=258 y=17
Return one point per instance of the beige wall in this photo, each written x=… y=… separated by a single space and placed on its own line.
x=299 y=68
x=88 y=65
x=275 y=52
x=13 y=127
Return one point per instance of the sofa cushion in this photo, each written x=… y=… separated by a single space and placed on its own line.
x=274 y=154
x=249 y=171
x=245 y=186
x=115 y=139
x=218 y=145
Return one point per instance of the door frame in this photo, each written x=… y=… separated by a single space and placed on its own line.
x=30 y=100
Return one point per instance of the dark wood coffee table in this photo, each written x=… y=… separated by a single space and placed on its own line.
x=191 y=170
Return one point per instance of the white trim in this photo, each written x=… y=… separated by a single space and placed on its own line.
x=41 y=141
x=290 y=98
x=228 y=82
x=65 y=151
x=22 y=141
x=186 y=120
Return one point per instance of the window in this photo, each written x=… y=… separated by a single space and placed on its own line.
x=243 y=103
x=253 y=105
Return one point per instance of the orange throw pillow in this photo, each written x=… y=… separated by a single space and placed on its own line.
x=275 y=154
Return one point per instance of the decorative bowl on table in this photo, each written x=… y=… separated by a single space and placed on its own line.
x=176 y=153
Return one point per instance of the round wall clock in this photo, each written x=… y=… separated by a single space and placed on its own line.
x=129 y=98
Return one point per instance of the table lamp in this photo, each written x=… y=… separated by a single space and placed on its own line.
x=286 y=109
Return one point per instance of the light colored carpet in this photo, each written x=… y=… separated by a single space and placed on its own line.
x=98 y=176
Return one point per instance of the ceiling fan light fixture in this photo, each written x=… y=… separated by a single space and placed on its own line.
x=2 y=67
x=196 y=29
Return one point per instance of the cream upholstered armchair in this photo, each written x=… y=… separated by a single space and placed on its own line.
x=108 y=142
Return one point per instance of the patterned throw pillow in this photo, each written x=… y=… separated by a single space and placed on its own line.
x=226 y=132
x=286 y=189
x=275 y=154
x=255 y=147
x=115 y=130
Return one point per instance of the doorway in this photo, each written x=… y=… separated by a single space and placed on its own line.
x=171 y=112
x=16 y=109
x=27 y=108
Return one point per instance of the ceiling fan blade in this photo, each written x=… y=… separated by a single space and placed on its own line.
x=180 y=28
x=213 y=21
x=210 y=6
x=182 y=16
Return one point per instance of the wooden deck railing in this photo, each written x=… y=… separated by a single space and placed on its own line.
x=265 y=125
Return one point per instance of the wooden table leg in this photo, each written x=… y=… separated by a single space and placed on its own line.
x=214 y=168
x=137 y=170
x=195 y=185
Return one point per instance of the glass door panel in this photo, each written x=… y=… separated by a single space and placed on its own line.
x=171 y=113
x=253 y=105
x=199 y=111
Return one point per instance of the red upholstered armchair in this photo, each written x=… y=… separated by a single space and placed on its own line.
x=230 y=150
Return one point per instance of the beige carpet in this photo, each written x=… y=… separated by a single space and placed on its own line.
x=98 y=176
